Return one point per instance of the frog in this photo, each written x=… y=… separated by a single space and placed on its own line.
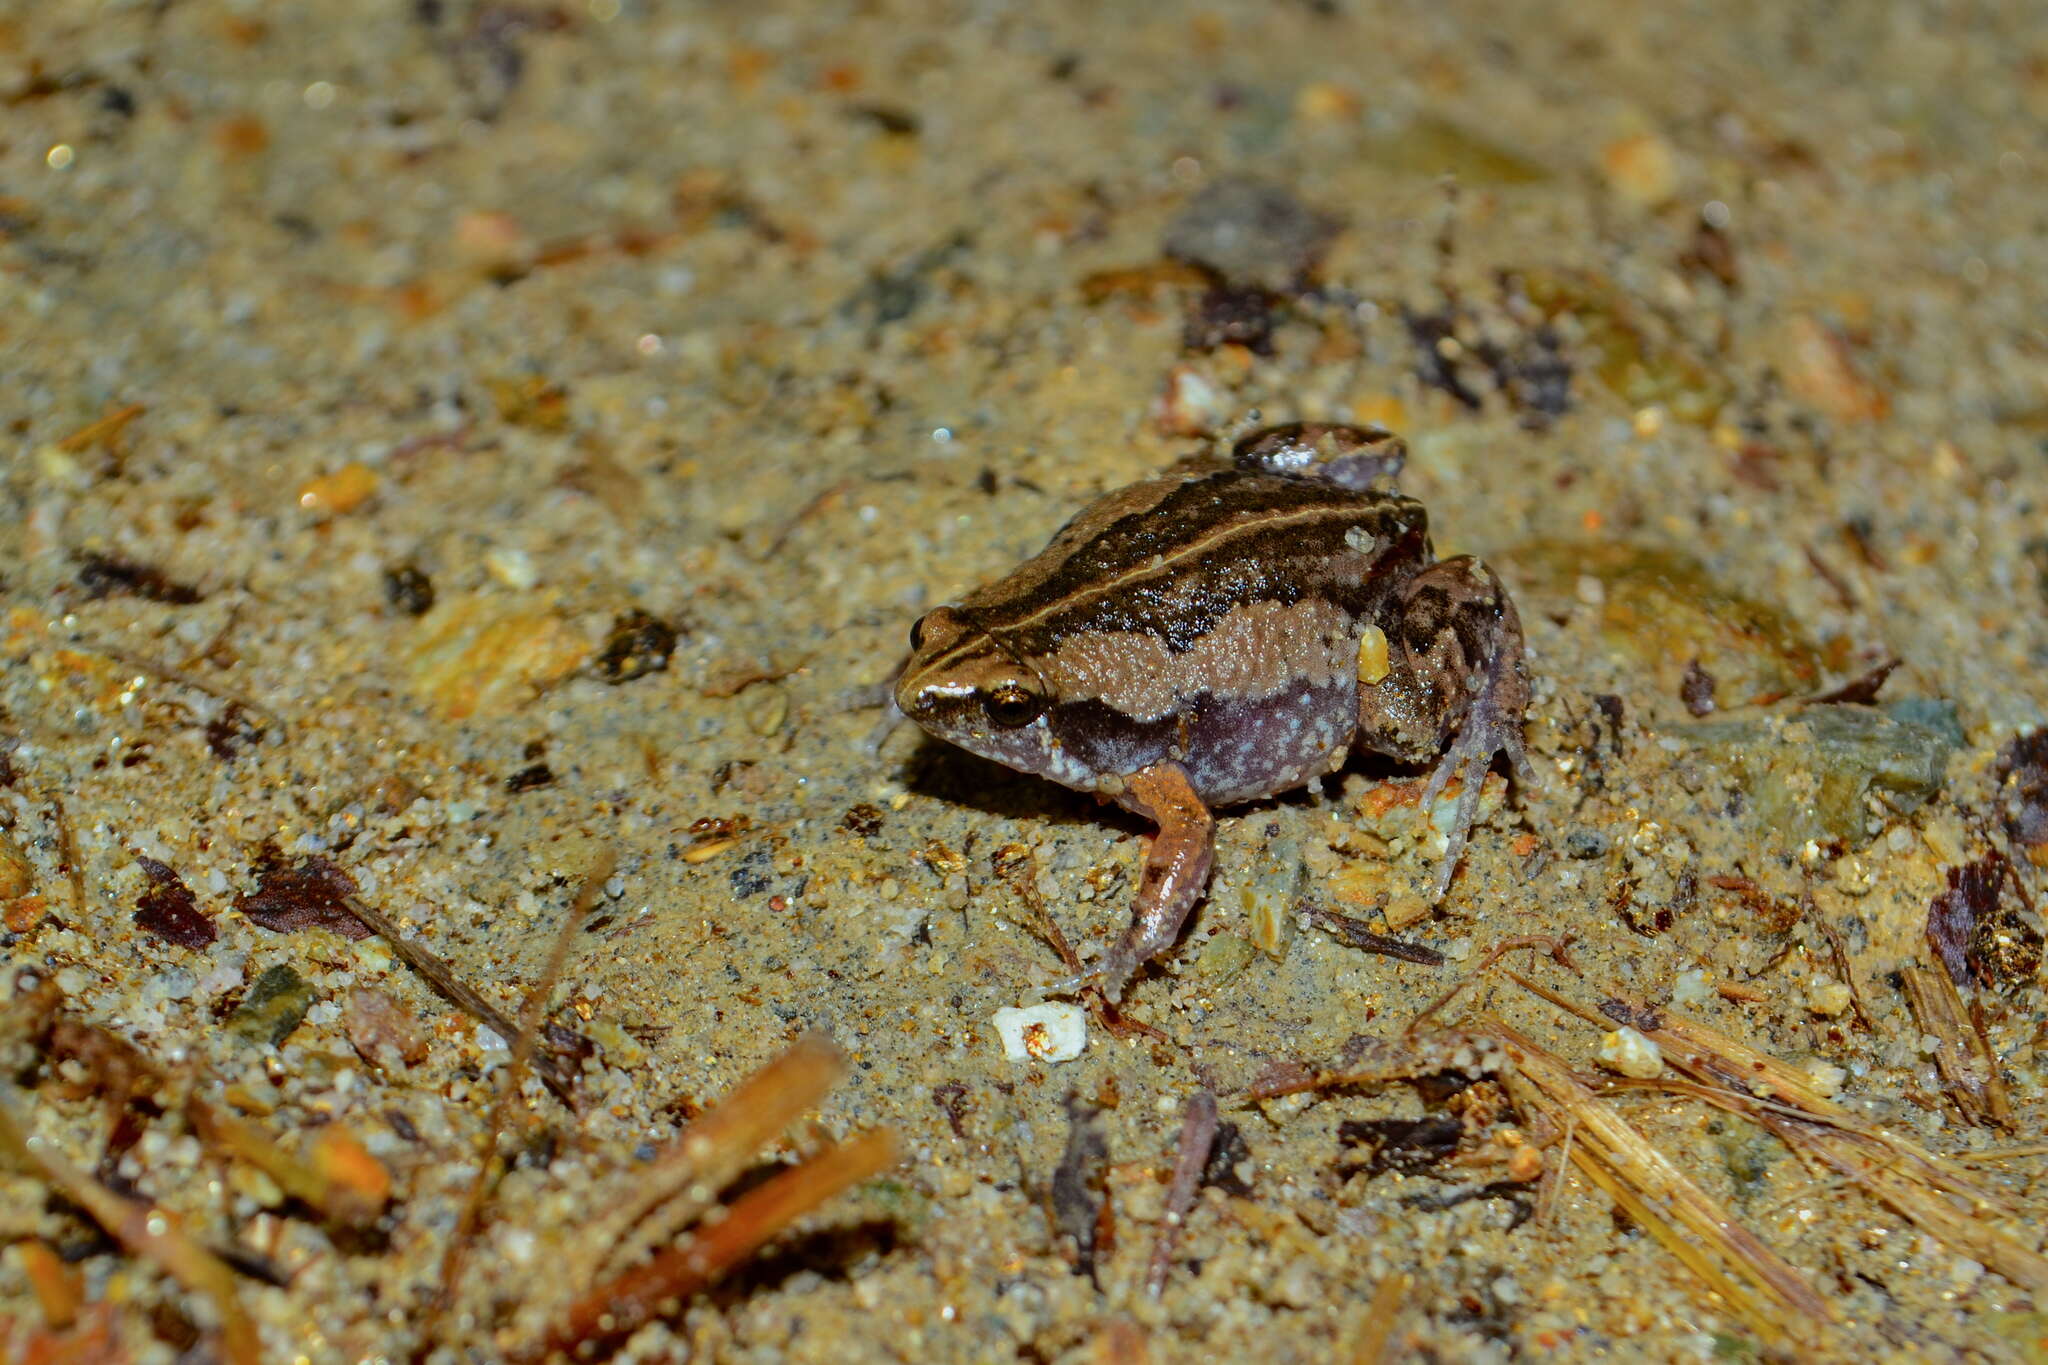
x=1228 y=631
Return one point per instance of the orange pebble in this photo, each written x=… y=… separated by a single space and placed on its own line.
x=344 y=490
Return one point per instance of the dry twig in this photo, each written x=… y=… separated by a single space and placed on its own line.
x=1197 y=1136
x=488 y=1168
x=460 y=994
x=1965 y=1061
x=145 y=1230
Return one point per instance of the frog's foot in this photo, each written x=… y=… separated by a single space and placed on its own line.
x=1351 y=457
x=1463 y=628
x=1176 y=872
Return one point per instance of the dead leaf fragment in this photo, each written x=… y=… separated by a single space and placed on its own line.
x=381 y=1030
x=1821 y=369
x=480 y=655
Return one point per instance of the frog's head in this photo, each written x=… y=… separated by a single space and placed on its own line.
x=964 y=687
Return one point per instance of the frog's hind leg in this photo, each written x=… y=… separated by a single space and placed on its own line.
x=1176 y=871
x=1462 y=639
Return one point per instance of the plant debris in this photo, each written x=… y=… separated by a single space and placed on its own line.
x=530 y=778
x=1076 y=1195
x=1961 y=1053
x=1977 y=934
x=146 y=1231
x=1439 y=1062
x=1861 y=690
x=1696 y=689
x=1468 y=355
x=638 y=644
x=168 y=910
x=2022 y=771
x=407 y=587
x=382 y=1031
x=1751 y=1279
x=1230 y=1162
x=559 y=1079
x=1927 y=1190
x=1197 y=1138
x=274 y=1007
x=1354 y=934
x=311 y=893
x=679 y=1185
x=104 y=575
x=1230 y=315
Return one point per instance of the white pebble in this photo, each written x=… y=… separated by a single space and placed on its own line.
x=1826 y=996
x=1629 y=1052
x=1050 y=1032
x=513 y=568
x=1825 y=1077
x=1691 y=988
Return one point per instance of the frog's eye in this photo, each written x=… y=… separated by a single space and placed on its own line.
x=1011 y=706
x=917 y=635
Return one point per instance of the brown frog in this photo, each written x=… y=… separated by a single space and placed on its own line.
x=1227 y=632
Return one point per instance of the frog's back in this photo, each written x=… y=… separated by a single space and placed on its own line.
x=1173 y=557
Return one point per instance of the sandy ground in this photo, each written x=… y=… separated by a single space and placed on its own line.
x=1726 y=348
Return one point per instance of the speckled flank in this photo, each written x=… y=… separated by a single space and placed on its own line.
x=1242 y=749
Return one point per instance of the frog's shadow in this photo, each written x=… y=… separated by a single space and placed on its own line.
x=943 y=772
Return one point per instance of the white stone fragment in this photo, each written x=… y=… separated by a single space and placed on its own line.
x=1691 y=988
x=1827 y=997
x=1630 y=1053
x=1825 y=1077
x=1051 y=1032
x=513 y=568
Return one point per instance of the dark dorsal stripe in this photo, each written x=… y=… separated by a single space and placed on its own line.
x=1175 y=565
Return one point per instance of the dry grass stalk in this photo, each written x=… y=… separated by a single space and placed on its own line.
x=460 y=994
x=343 y=1192
x=673 y=1190
x=1960 y=1054
x=1374 y=1341
x=1929 y=1191
x=1765 y=1293
x=57 y=1286
x=623 y=1304
x=523 y=1040
x=146 y=1231
x=337 y=1178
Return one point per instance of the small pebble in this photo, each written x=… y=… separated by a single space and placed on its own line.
x=344 y=490
x=1691 y=988
x=513 y=568
x=1827 y=997
x=1825 y=1077
x=1051 y=1032
x=1630 y=1053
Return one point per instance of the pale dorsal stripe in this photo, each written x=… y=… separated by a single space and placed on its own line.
x=1151 y=568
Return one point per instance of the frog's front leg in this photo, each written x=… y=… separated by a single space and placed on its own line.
x=1454 y=668
x=1176 y=871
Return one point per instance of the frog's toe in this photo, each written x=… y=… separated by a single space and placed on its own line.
x=1489 y=728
